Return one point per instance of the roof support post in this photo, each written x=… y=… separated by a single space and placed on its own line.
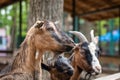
x=20 y=22
x=76 y=27
x=111 y=48
x=74 y=17
x=99 y=32
x=119 y=32
x=73 y=12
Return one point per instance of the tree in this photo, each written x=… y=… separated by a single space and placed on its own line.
x=46 y=10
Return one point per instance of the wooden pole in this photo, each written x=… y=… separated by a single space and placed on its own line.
x=111 y=48
x=119 y=38
x=73 y=14
x=75 y=19
x=20 y=22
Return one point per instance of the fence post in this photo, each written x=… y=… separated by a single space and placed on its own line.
x=111 y=48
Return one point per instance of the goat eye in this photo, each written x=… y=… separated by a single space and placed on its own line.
x=97 y=54
x=83 y=53
x=50 y=29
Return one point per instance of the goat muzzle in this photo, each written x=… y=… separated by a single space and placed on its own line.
x=69 y=72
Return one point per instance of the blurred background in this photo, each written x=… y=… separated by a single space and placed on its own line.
x=81 y=15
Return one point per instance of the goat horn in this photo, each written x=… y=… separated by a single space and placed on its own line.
x=80 y=36
x=92 y=35
x=71 y=57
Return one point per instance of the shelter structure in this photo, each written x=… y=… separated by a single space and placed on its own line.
x=90 y=10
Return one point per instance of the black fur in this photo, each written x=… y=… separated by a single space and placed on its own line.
x=45 y=67
x=87 y=52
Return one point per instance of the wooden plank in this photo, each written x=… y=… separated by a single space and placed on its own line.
x=103 y=15
x=4 y=3
x=107 y=59
x=4 y=60
x=3 y=65
x=6 y=51
x=110 y=77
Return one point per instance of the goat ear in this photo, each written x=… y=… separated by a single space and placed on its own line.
x=92 y=35
x=96 y=40
x=57 y=22
x=38 y=24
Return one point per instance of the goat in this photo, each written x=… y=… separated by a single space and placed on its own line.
x=39 y=37
x=84 y=57
x=62 y=69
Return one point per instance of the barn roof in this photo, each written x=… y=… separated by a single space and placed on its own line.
x=94 y=9
x=88 y=9
x=4 y=3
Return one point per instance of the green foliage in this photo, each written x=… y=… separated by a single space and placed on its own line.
x=7 y=15
x=101 y=25
x=116 y=22
x=9 y=19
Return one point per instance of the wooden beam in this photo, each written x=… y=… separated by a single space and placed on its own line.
x=7 y=2
x=104 y=15
x=89 y=7
x=4 y=60
x=85 y=8
x=93 y=3
x=115 y=76
x=99 y=10
x=80 y=7
x=109 y=2
x=110 y=59
x=68 y=6
x=6 y=51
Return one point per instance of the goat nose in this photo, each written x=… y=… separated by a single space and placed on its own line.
x=98 y=68
x=69 y=67
x=60 y=56
x=70 y=72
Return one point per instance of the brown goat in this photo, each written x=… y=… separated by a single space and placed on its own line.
x=86 y=55
x=79 y=62
x=83 y=59
x=39 y=37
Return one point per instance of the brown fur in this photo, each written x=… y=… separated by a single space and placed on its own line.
x=37 y=38
x=58 y=75
x=22 y=66
x=55 y=74
x=79 y=63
